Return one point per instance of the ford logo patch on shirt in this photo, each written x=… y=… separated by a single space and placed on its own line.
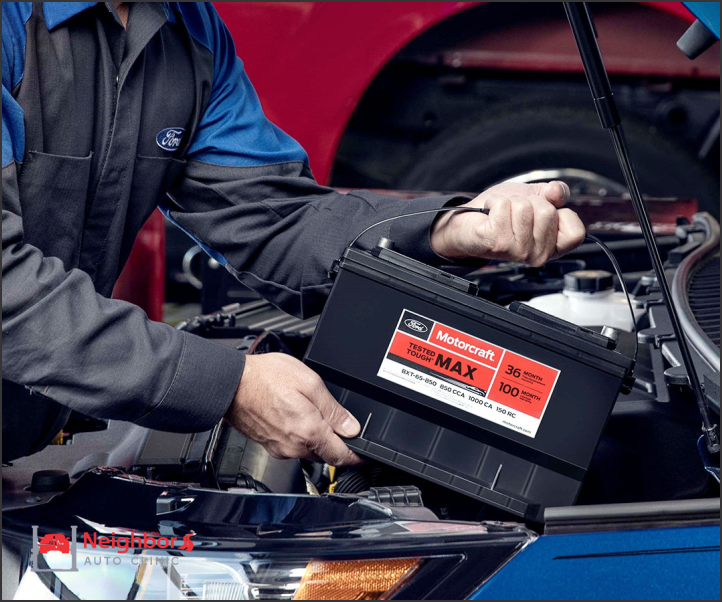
x=170 y=138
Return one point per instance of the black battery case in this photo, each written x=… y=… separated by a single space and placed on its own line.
x=444 y=444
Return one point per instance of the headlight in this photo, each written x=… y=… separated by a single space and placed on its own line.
x=245 y=546
x=240 y=577
x=263 y=580
x=219 y=575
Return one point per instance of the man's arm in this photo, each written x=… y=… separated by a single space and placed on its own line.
x=278 y=231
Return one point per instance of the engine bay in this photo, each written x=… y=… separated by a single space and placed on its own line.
x=648 y=451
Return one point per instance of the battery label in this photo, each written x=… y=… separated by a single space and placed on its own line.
x=468 y=373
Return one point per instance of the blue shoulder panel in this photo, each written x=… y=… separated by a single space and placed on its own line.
x=233 y=131
x=15 y=16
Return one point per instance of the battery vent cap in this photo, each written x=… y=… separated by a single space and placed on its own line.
x=588 y=281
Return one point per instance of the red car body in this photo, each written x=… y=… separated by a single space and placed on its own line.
x=312 y=62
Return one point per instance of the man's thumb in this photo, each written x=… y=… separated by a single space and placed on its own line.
x=557 y=192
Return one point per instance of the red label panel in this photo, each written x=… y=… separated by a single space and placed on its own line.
x=440 y=361
x=468 y=373
x=523 y=384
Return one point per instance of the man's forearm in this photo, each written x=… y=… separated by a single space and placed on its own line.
x=279 y=231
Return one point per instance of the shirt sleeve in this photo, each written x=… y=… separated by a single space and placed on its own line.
x=103 y=357
x=248 y=197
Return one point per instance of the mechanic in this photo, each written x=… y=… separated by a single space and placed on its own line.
x=113 y=109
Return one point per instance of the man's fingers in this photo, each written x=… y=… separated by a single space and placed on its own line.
x=339 y=419
x=525 y=222
x=497 y=231
x=522 y=222
x=545 y=230
x=328 y=446
x=571 y=231
x=310 y=437
x=556 y=192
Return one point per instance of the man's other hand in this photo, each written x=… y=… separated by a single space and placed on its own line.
x=526 y=223
x=285 y=406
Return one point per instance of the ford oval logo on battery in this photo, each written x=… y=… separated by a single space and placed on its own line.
x=416 y=325
x=170 y=138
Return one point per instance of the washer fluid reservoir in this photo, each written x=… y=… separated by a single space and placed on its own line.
x=589 y=300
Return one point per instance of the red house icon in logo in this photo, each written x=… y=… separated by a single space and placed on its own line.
x=53 y=542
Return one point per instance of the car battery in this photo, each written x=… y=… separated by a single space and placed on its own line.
x=506 y=405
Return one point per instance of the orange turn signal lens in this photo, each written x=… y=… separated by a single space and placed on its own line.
x=354 y=579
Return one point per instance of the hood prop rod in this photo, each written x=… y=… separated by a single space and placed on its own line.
x=598 y=79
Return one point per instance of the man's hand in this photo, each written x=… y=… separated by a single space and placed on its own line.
x=526 y=223
x=286 y=407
